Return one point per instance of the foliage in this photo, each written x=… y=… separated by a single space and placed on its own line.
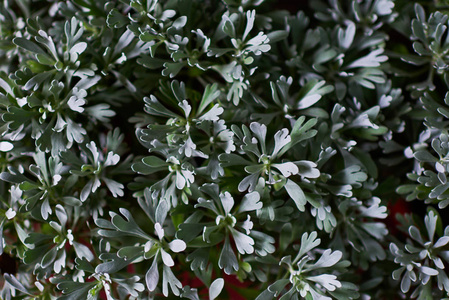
x=166 y=149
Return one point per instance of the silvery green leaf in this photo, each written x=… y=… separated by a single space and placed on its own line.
x=231 y=159
x=170 y=279
x=247 y=225
x=228 y=261
x=2 y=245
x=209 y=204
x=442 y=241
x=129 y=225
x=378 y=230
x=424 y=156
x=277 y=35
x=159 y=230
x=180 y=181
x=45 y=209
x=374 y=210
x=177 y=245
x=82 y=251
x=296 y=193
x=264 y=244
x=259 y=44
x=308 y=242
x=227 y=202
x=211 y=93
x=101 y=112
x=76 y=50
x=189 y=177
x=199 y=259
x=12 y=280
x=266 y=295
x=243 y=242
x=212 y=114
x=131 y=251
x=250 y=202
x=249 y=182
x=188 y=148
x=49 y=257
x=308 y=169
x=111 y=159
x=214 y=168
x=28 y=45
x=352 y=175
x=439 y=190
x=329 y=282
x=166 y=258
x=6 y=146
x=153 y=106
x=430 y=220
x=327 y=259
x=61 y=214
x=346 y=37
x=75 y=132
x=228 y=26
x=114 y=187
x=116 y=19
x=428 y=271
x=161 y=211
x=277 y=287
x=415 y=234
x=373 y=59
x=281 y=139
x=36 y=81
x=287 y=169
x=190 y=293
x=250 y=17
x=59 y=262
x=215 y=288
x=85 y=192
x=152 y=276
x=363 y=121
x=312 y=92
x=185 y=107
x=172 y=69
x=154 y=162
